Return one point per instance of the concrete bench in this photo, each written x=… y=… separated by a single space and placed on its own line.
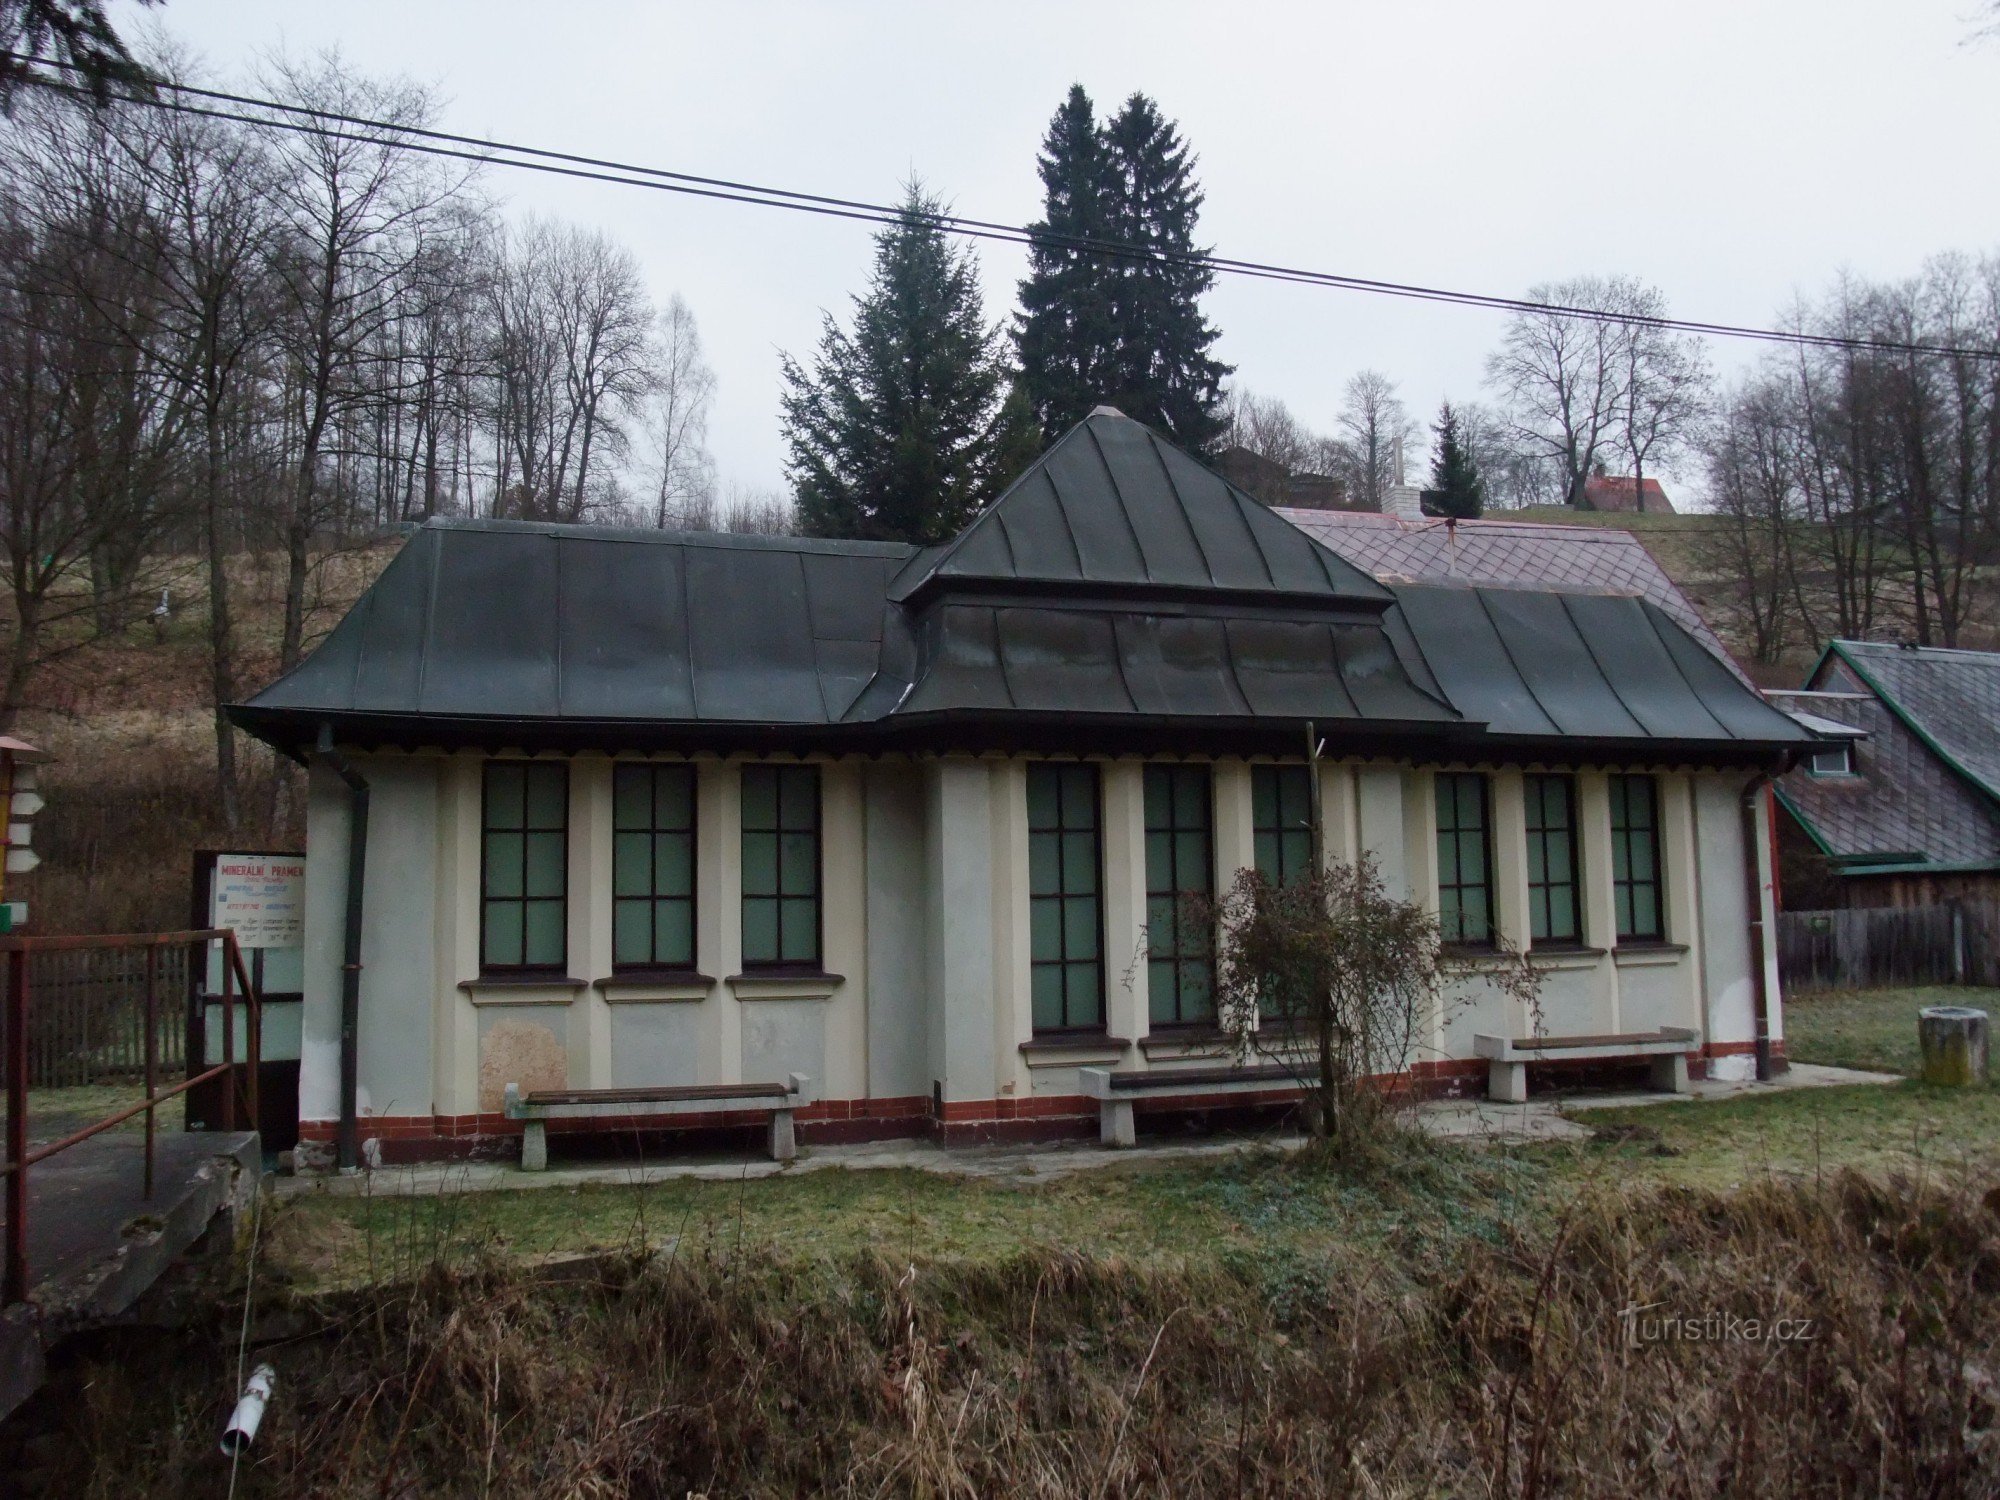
x=1508 y=1057
x=778 y=1100
x=1115 y=1092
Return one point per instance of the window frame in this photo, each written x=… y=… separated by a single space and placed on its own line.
x=1062 y=896
x=1619 y=796
x=560 y=966
x=1178 y=958
x=692 y=900
x=1539 y=891
x=1844 y=749
x=780 y=964
x=1279 y=831
x=1486 y=885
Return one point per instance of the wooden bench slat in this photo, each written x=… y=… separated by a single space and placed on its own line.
x=1608 y=1039
x=678 y=1094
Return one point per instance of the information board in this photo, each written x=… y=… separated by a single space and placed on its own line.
x=262 y=897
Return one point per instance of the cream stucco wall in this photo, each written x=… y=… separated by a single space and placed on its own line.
x=925 y=933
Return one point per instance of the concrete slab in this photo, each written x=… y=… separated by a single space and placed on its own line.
x=96 y=1242
x=1798 y=1076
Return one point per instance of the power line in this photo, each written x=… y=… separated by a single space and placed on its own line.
x=304 y=120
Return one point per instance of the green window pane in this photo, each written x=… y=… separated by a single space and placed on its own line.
x=1264 y=796
x=1473 y=916
x=1451 y=923
x=548 y=792
x=1079 y=862
x=506 y=799
x=631 y=932
x=1562 y=912
x=1159 y=797
x=798 y=797
x=1192 y=865
x=801 y=931
x=760 y=863
x=1080 y=929
x=673 y=864
x=631 y=866
x=1537 y=859
x=760 y=797
x=1197 y=996
x=544 y=864
x=1160 y=994
x=542 y=938
x=1561 y=864
x=503 y=934
x=1044 y=863
x=1641 y=844
x=760 y=930
x=1297 y=848
x=1270 y=858
x=1645 y=911
x=1083 y=984
x=1042 y=795
x=1046 y=996
x=673 y=932
x=1160 y=924
x=632 y=797
x=503 y=864
x=1079 y=796
x=1191 y=798
x=673 y=797
x=1045 y=928
x=1159 y=861
x=798 y=864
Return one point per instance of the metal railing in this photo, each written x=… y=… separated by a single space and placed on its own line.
x=239 y=1076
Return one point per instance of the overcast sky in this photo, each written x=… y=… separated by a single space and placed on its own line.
x=1734 y=153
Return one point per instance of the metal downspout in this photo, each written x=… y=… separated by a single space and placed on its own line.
x=350 y=958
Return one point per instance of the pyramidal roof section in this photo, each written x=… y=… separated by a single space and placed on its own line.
x=1113 y=504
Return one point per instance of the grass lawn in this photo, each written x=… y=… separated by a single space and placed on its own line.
x=1265 y=1211
x=53 y=1112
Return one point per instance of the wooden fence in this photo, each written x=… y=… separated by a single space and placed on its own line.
x=87 y=1016
x=1954 y=943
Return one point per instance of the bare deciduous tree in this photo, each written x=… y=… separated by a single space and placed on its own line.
x=1375 y=429
x=683 y=388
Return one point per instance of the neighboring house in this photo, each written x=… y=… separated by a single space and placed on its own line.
x=650 y=808
x=1903 y=807
x=1623 y=495
x=1274 y=484
x=1508 y=554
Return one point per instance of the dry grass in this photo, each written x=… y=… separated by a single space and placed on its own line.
x=1051 y=1372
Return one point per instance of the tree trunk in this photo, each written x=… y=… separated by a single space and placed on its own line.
x=221 y=648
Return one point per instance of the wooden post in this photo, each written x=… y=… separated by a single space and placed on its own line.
x=152 y=1060
x=1953 y=1041
x=15 y=1288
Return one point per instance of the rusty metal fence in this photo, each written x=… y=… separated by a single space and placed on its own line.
x=88 y=1024
x=157 y=1004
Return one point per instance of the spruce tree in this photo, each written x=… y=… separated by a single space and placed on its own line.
x=1099 y=326
x=895 y=434
x=1062 y=335
x=1164 y=374
x=1456 y=489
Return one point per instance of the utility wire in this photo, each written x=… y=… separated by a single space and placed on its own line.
x=334 y=125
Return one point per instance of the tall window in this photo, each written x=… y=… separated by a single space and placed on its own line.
x=524 y=866
x=781 y=866
x=652 y=867
x=1065 y=917
x=1465 y=865
x=1552 y=861
x=1281 y=821
x=1635 y=859
x=1180 y=860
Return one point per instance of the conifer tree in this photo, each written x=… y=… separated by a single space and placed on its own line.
x=1097 y=326
x=895 y=434
x=1062 y=335
x=1456 y=489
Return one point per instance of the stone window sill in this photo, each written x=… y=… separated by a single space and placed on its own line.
x=636 y=986
x=522 y=989
x=1564 y=956
x=1645 y=955
x=1071 y=1048
x=785 y=984
x=1192 y=1041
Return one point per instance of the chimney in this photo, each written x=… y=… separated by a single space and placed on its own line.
x=1403 y=501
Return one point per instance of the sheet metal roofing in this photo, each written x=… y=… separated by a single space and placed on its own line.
x=1060 y=605
x=1507 y=554
x=1926 y=786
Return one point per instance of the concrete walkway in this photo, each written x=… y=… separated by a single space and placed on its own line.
x=1546 y=1118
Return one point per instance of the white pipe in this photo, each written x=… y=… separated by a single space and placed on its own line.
x=249 y=1411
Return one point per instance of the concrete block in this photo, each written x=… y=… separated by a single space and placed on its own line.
x=1507 y=1082
x=535 y=1147
x=784 y=1139
x=1116 y=1126
x=1670 y=1073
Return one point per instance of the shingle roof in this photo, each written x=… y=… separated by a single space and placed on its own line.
x=1061 y=606
x=1906 y=801
x=1508 y=554
x=1616 y=492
